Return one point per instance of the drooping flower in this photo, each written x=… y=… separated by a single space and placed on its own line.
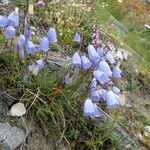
x=40 y=4
x=36 y=67
x=116 y=90
x=86 y=64
x=98 y=111
x=10 y=32
x=102 y=77
x=77 y=38
x=100 y=52
x=30 y=48
x=116 y=72
x=44 y=44
x=93 y=55
x=104 y=67
x=13 y=19
x=112 y=100
x=76 y=60
x=104 y=94
x=93 y=84
x=3 y=21
x=94 y=95
x=110 y=58
x=20 y=46
x=52 y=35
x=67 y=79
x=88 y=109
x=27 y=31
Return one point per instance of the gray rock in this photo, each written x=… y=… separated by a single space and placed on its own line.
x=10 y=137
x=4 y=2
x=148 y=1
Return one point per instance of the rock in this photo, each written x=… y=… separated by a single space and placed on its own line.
x=4 y=2
x=10 y=137
x=148 y=1
x=17 y=110
x=147 y=128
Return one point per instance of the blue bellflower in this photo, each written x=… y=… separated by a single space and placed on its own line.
x=77 y=38
x=98 y=111
x=116 y=72
x=22 y=39
x=52 y=35
x=67 y=80
x=10 y=32
x=30 y=48
x=36 y=67
x=93 y=55
x=3 y=21
x=100 y=52
x=104 y=67
x=104 y=94
x=86 y=64
x=116 y=90
x=102 y=77
x=110 y=58
x=44 y=44
x=27 y=31
x=13 y=19
x=76 y=60
x=93 y=84
x=112 y=100
x=89 y=110
x=94 y=95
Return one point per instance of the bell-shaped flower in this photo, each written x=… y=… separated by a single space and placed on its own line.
x=88 y=108
x=67 y=79
x=98 y=111
x=112 y=100
x=44 y=44
x=104 y=67
x=94 y=95
x=86 y=63
x=10 y=32
x=13 y=19
x=116 y=90
x=102 y=77
x=93 y=55
x=52 y=35
x=100 y=52
x=27 y=31
x=30 y=48
x=104 y=94
x=93 y=84
x=21 y=42
x=76 y=60
x=3 y=21
x=22 y=39
x=110 y=58
x=77 y=38
x=116 y=72
x=36 y=67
